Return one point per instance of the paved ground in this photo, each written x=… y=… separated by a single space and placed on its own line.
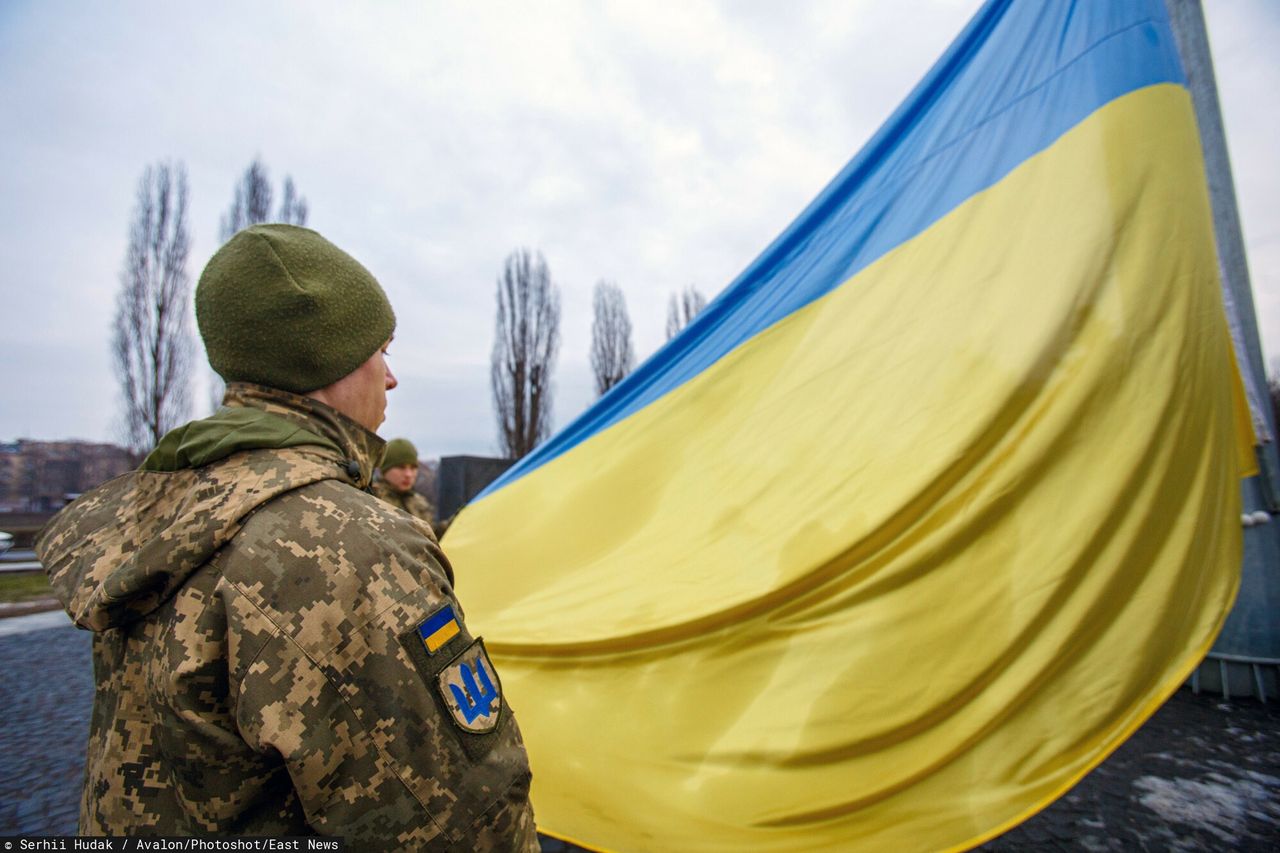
x=1203 y=774
x=45 y=693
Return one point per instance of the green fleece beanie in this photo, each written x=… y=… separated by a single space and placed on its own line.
x=282 y=306
x=399 y=452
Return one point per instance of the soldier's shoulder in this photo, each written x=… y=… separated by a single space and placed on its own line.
x=330 y=547
x=330 y=511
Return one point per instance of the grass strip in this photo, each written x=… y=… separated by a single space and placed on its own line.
x=24 y=586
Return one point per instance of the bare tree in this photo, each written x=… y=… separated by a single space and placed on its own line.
x=152 y=340
x=682 y=308
x=251 y=202
x=294 y=207
x=612 y=355
x=526 y=339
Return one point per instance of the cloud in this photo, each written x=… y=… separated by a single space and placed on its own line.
x=653 y=147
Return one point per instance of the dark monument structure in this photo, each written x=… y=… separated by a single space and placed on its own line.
x=461 y=478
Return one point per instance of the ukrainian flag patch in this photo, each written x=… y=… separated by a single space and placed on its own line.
x=439 y=629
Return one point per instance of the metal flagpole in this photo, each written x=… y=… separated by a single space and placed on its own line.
x=1246 y=657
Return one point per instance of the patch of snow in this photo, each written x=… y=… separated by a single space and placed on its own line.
x=1218 y=807
x=1093 y=844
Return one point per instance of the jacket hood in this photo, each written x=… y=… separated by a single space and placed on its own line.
x=228 y=431
x=121 y=550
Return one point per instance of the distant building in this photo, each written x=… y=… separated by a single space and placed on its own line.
x=37 y=476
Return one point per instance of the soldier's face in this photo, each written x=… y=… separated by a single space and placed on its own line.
x=401 y=477
x=362 y=394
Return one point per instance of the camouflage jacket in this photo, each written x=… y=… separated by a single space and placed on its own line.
x=410 y=501
x=277 y=652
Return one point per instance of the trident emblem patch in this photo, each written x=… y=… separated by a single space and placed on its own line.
x=470 y=688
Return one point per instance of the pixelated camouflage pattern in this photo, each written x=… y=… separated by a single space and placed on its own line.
x=411 y=502
x=255 y=622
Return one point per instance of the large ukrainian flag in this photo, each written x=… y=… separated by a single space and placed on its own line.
x=927 y=512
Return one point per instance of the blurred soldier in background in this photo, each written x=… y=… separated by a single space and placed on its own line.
x=397 y=476
x=276 y=651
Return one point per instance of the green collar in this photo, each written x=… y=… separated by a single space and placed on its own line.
x=254 y=417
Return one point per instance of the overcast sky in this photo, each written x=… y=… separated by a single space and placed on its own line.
x=656 y=144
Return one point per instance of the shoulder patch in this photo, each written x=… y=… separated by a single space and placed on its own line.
x=471 y=690
x=438 y=629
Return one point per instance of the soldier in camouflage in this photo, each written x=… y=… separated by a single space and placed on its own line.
x=276 y=651
x=396 y=477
